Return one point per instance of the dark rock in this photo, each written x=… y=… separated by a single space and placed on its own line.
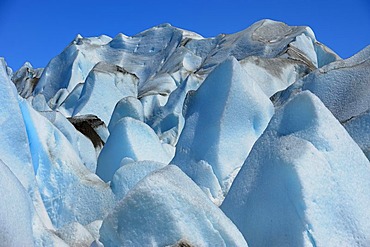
x=87 y=125
x=182 y=243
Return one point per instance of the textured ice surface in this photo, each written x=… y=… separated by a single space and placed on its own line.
x=160 y=58
x=126 y=107
x=133 y=139
x=94 y=228
x=343 y=86
x=359 y=129
x=14 y=141
x=13 y=136
x=347 y=94
x=105 y=85
x=68 y=189
x=128 y=175
x=178 y=208
x=15 y=211
x=25 y=79
x=80 y=143
x=87 y=142
x=225 y=110
x=301 y=186
x=273 y=74
x=168 y=121
x=44 y=236
x=75 y=235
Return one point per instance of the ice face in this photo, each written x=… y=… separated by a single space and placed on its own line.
x=126 y=107
x=178 y=208
x=140 y=55
x=359 y=129
x=15 y=211
x=133 y=139
x=87 y=143
x=346 y=95
x=80 y=143
x=75 y=234
x=25 y=79
x=105 y=85
x=14 y=141
x=128 y=175
x=273 y=74
x=324 y=54
x=167 y=121
x=226 y=109
x=300 y=184
x=162 y=57
x=305 y=44
x=68 y=189
x=71 y=65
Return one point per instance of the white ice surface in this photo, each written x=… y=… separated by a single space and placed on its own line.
x=128 y=175
x=226 y=114
x=70 y=192
x=126 y=107
x=105 y=85
x=166 y=92
x=130 y=138
x=14 y=141
x=15 y=211
x=80 y=143
x=301 y=186
x=359 y=129
x=164 y=208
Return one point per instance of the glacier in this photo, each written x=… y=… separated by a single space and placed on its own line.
x=226 y=109
x=15 y=205
x=180 y=215
x=168 y=138
x=300 y=184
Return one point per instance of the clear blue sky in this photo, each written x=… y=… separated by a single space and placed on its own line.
x=36 y=31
